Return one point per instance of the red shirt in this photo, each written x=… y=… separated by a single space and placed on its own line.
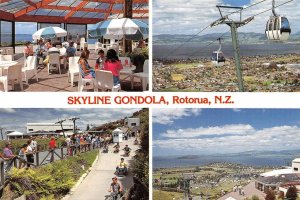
x=52 y=144
x=114 y=67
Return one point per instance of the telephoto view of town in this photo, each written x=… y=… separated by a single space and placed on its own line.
x=226 y=154
x=74 y=154
x=226 y=45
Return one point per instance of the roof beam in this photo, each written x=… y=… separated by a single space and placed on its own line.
x=30 y=3
x=74 y=10
x=6 y=16
x=55 y=19
x=31 y=8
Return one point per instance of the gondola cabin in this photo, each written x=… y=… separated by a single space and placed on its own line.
x=278 y=28
x=218 y=58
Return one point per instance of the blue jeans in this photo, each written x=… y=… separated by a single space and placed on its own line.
x=116 y=80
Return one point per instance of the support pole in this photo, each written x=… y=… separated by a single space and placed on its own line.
x=234 y=36
x=127 y=14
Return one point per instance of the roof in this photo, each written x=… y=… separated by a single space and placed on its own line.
x=280 y=179
x=117 y=130
x=277 y=172
x=48 y=124
x=230 y=198
x=296 y=160
x=69 y=11
x=15 y=133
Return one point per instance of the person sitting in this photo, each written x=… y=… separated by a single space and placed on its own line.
x=126 y=148
x=122 y=166
x=28 y=50
x=116 y=187
x=48 y=44
x=141 y=44
x=113 y=64
x=71 y=50
x=99 y=61
x=40 y=50
x=85 y=69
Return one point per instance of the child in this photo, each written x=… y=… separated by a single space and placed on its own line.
x=22 y=155
x=99 y=61
x=113 y=64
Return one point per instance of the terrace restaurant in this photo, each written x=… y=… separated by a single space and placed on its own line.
x=49 y=28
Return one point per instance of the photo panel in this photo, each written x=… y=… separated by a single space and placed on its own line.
x=226 y=154
x=74 y=153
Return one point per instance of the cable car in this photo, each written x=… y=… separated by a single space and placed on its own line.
x=278 y=27
x=218 y=58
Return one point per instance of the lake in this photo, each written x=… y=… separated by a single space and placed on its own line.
x=259 y=160
x=197 y=50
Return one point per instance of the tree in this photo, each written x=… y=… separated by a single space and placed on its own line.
x=270 y=195
x=291 y=193
x=254 y=197
x=87 y=127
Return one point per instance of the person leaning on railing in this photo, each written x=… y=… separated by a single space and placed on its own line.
x=22 y=156
x=8 y=156
x=52 y=147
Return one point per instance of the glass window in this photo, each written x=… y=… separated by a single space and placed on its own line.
x=74 y=30
x=6 y=33
x=285 y=23
x=24 y=32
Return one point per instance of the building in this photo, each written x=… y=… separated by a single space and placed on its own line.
x=279 y=179
x=48 y=127
x=132 y=122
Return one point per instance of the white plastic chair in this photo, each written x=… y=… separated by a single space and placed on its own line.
x=30 y=67
x=73 y=68
x=104 y=81
x=54 y=60
x=63 y=52
x=82 y=82
x=14 y=73
x=143 y=76
x=98 y=46
x=6 y=57
x=82 y=43
x=9 y=51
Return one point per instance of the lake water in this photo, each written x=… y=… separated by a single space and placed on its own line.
x=170 y=162
x=196 y=50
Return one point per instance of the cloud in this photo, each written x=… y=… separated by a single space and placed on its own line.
x=229 y=139
x=189 y=17
x=239 y=129
x=167 y=116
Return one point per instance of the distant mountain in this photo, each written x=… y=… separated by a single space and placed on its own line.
x=244 y=38
x=295 y=152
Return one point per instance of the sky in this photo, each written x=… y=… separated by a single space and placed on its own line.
x=16 y=119
x=189 y=17
x=217 y=131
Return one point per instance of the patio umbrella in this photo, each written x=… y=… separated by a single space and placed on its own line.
x=49 y=32
x=131 y=29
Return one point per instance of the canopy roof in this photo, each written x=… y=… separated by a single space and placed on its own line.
x=15 y=133
x=69 y=11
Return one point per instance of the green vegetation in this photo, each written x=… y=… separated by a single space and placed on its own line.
x=49 y=182
x=164 y=195
x=140 y=165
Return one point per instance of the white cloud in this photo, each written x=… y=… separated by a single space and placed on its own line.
x=182 y=17
x=241 y=138
x=167 y=116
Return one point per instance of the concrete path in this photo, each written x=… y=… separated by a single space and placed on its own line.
x=249 y=190
x=95 y=185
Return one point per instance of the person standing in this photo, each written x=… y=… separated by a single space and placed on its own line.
x=52 y=147
x=22 y=156
x=29 y=153
x=34 y=145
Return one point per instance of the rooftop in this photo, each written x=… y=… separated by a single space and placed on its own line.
x=69 y=11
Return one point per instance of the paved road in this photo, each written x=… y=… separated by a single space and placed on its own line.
x=249 y=189
x=95 y=185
